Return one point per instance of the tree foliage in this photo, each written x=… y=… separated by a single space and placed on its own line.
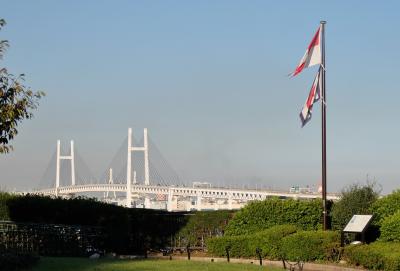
x=16 y=102
x=355 y=199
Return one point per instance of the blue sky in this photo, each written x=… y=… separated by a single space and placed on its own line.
x=208 y=79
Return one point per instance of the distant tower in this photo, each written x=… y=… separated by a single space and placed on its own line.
x=65 y=157
x=131 y=149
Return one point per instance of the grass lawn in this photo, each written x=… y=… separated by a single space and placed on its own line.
x=83 y=264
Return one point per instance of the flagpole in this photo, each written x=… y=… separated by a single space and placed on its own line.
x=323 y=112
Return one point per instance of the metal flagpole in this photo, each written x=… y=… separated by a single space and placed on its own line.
x=323 y=112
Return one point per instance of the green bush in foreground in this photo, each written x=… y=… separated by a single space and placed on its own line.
x=375 y=256
x=390 y=229
x=311 y=246
x=386 y=206
x=245 y=245
x=260 y=215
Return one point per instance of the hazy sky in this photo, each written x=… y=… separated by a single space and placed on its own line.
x=208 y=79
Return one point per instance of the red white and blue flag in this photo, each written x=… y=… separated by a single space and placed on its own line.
x=312 y=56
x=313 y=97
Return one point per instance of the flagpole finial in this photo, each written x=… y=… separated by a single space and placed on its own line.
x=323 y=22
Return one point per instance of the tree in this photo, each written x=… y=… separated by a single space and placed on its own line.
x=16 y=102
x=355 y=199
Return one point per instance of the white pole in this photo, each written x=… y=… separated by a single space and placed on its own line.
x=169 y=200
x=198 y=203
x=72 y=163
x=110 y=178
x=110 y=181
x=230 y=201
x=128 y=170
x=146 y=158
x=58 y=167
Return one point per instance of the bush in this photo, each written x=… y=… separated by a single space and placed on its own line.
x=390 y=229
x=356 y=199
x=245 y=245
x=386 y=206
x=311 y=246
x=375 y=256
x=261 y=215
x=269 y=241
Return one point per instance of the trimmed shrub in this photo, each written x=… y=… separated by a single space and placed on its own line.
x=260 y=215
x=245 y=245
x=390 y=229
x=386 y=206
x=238 y=246
x=375 y=256
x=311 y=246
x=269 y=241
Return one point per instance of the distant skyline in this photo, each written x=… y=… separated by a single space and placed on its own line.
x=209 y=81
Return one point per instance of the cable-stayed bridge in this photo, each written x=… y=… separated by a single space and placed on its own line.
x=139 y=176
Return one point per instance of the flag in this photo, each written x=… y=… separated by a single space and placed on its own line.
x=312 y=56
x=313 y=97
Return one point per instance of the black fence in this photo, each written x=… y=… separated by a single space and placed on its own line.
x=50 y=239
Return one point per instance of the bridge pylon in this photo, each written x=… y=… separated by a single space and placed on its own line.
x=131 y=149
x=65 y=157
x=110 y=181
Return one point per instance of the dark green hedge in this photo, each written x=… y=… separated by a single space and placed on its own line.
x=311 y=246
x=113 y=219
x=126 y=230
x=269 y=241
x=260 y=215
x=375 y=256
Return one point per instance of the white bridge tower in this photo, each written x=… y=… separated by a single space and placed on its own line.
x=65 y=157
x=131 y=149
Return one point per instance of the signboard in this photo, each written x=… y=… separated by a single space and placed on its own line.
x=358 y=223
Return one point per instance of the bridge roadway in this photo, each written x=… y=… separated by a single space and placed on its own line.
x=170 y=192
